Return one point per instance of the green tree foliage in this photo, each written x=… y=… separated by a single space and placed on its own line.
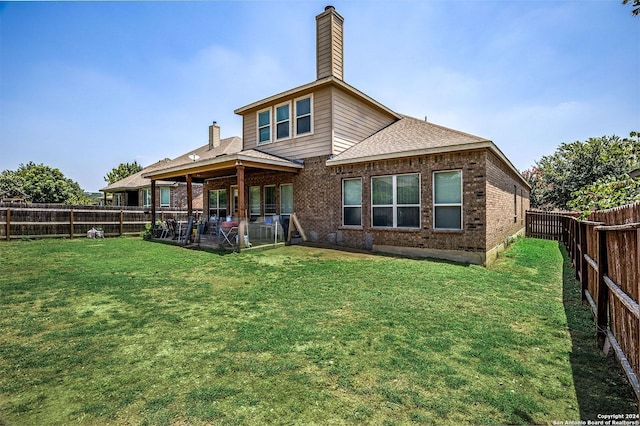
x=606 y=193
x=38 y=183
x=122 y=171
x=635 y=4
x=574 y=167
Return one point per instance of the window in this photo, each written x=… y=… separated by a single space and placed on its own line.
x=515 y=203
x=254 y=201
x=286 y=199
x=264 y=126
x=283 y=122
x=269 y=200
x=447 y=200
x=303 y=116
x=352 y=202
x=146 y=197
x=395 y=201
x=218 y=203
x=165 y=197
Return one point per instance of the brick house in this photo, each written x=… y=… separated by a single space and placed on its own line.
x=135 y=191
x=358 y=174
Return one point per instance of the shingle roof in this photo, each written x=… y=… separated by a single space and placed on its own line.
x=408 y=136
x=227 y=146
x=136 y=180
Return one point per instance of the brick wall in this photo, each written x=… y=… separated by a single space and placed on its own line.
x=488 y=203
x=318 y=202
x=504 y=216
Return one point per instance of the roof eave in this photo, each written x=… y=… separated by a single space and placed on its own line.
x=430 y=151
x=312 y=86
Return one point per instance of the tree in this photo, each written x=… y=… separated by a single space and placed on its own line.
x=635 y=4
x=556 y=179
x=122 y=171
x=38 y=183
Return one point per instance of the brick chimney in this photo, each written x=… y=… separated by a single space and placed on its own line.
x=329 y=46
x=214 y=136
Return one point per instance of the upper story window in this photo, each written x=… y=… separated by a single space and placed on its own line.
x=165 y=197
x=283 y=121
x=447 y=200
x=264 y=126
x=395 y=201
x=303 y=116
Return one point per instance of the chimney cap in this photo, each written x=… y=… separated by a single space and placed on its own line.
x=329 y=7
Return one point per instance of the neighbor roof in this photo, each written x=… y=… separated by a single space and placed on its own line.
x=409 y=137
x=136 y=181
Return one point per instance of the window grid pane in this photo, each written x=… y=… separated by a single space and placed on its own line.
x=382 y=190
x=269 y=200
x=165 y=198
x=286 y=199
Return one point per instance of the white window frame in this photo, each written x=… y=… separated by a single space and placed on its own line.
x=146 y=197
x=460 y=204
x=395 y=204
x=258 y=127
x=276 y=122
x=345 y=206
x=164 y=188
x=310 y=114
x=217 y=206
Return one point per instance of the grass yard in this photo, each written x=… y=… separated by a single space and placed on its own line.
x=124 y=331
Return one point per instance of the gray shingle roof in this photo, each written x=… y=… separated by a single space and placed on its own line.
x=136 y=180
x=408 y=136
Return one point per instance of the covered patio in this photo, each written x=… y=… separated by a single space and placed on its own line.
x=229 y=221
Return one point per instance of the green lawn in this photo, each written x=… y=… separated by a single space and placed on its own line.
x=125 y=331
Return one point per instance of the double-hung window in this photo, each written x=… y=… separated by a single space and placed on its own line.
x=165 y=197
x=447 y=200
x=395 y=201
x=218 y=202
x=283 y=121
x=264 y=126
x=352 y=202
x=304 y=122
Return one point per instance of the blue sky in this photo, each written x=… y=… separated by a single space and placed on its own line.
x=85 y=86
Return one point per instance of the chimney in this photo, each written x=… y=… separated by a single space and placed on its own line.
x=214 y=136
x=329 y=49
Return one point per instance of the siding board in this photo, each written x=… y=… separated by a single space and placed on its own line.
x=354 y=120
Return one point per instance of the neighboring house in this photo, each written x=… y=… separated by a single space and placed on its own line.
x=360 y=175
x=135 y=190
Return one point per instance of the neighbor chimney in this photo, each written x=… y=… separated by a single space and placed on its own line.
x=214 y=136
x=329 y=49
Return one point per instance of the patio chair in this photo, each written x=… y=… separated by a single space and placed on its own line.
x=165 y=229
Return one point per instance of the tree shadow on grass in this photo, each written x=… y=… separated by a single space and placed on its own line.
x=600 y=383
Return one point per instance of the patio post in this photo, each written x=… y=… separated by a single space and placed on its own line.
x=153 y=202
x=241 y=206
x=189 y=196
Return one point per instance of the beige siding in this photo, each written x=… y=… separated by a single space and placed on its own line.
x=318 y=143
x=329 y=48
x=354 y=120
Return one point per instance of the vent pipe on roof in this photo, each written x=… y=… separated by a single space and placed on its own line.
x=329 y=44
x=214 y=136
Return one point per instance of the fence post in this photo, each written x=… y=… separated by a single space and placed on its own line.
x=121 y=223
x=603 y=291
x=8 y=224
x=71 y=223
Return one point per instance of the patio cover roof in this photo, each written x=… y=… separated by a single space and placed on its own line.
x=220 y=161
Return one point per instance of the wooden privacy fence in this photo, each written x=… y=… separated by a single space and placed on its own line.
x=605 y=252
x=64 y=221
